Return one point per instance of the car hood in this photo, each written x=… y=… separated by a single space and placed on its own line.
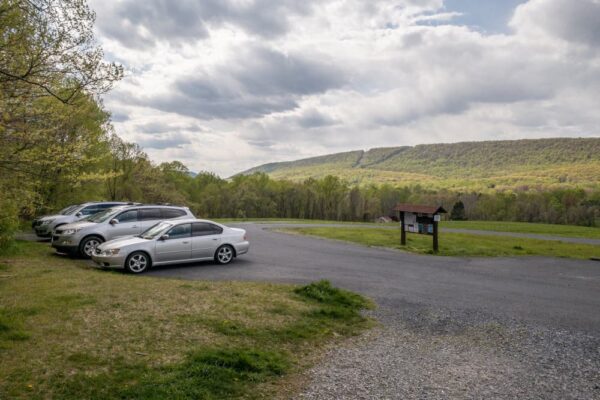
x=122 y=242
x=47 y=217
x=78 y=225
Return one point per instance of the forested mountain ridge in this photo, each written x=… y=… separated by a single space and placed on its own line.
x=469 y=165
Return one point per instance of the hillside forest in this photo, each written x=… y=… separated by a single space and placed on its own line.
x=58 y=147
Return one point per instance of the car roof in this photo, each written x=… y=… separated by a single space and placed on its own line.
x=136 y=206
x=190 y=220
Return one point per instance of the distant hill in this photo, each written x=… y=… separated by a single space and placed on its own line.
x=468 y=165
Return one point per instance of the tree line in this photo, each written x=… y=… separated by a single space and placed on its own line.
x=58 y=147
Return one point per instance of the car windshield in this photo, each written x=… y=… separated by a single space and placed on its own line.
x=102 y=215
x=68 y=210
x=155 y=230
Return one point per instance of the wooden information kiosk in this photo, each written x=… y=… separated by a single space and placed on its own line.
x=420 y=219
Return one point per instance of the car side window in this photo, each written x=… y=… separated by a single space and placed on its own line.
x=89 y=210
x=205 y=228
x=168 y=213
x=180 y=231
x=128 y=216
x=146 y=214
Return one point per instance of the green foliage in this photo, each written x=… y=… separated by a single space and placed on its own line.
x=458 y=211
x=470 y=166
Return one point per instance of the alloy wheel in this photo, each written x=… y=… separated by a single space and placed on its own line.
x=225 y=254
x=137 y=263
x=90 y=246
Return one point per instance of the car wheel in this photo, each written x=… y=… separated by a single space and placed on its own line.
x=224 y=254
x=137 y=262
x=88 y=246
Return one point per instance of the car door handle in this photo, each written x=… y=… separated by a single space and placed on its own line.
x=135 y=226
x=185 y=242
x=215 y=239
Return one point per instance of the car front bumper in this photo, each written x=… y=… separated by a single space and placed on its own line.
x=43 y=231
x=64 y=244
x=116 y=261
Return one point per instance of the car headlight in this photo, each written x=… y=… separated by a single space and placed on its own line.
x=111 y=252
x=47 y=221
x=70 y=231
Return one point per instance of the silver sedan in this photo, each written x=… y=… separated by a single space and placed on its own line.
x=173 y=242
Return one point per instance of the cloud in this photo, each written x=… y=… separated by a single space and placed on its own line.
x=573 y=21
x=164 y=141
x=260 y=82
x=225 y=85
x=315 y=119
x=142 y=24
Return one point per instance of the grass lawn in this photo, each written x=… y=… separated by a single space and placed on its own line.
x=453 y=244
x=526 y=227
x=498 y=226
x=69 y=331
x=292 y=221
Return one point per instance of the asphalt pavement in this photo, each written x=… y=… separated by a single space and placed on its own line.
x=449 y=327
x=554 y=292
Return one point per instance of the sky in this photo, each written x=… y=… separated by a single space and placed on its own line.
x=226 y=85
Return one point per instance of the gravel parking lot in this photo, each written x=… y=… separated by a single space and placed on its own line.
x=424 y=353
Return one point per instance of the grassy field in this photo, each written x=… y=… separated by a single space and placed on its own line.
x=454 y=244
x=291 y=221
x=526 y=227
x=69 y=331
x=498 y=226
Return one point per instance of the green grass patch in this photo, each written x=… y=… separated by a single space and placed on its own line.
x=454 y=244
x=208 y=373
x=69 y=331
x=526 y=227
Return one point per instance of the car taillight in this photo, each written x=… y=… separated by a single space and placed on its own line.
x=245 y=236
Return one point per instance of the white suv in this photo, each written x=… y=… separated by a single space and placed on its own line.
x=82 y=237
x=44 y=226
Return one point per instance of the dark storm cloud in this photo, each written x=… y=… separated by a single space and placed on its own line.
x=140 y=24
x=260 y=82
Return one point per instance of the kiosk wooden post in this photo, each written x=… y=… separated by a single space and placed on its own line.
x=419 y=219
x=435 y=237
x=402 y=229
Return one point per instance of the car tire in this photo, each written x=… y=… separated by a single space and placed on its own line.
x=137 y=262
x=88 y=244
x=224 y=254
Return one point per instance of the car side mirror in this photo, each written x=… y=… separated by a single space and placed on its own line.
x=114 y=221
x=79 y=214
x=164 y=237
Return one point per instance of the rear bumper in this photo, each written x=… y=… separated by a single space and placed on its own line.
x=241 y=248
x=109 y=261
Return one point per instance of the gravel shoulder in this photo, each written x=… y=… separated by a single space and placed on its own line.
x=425 y=353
